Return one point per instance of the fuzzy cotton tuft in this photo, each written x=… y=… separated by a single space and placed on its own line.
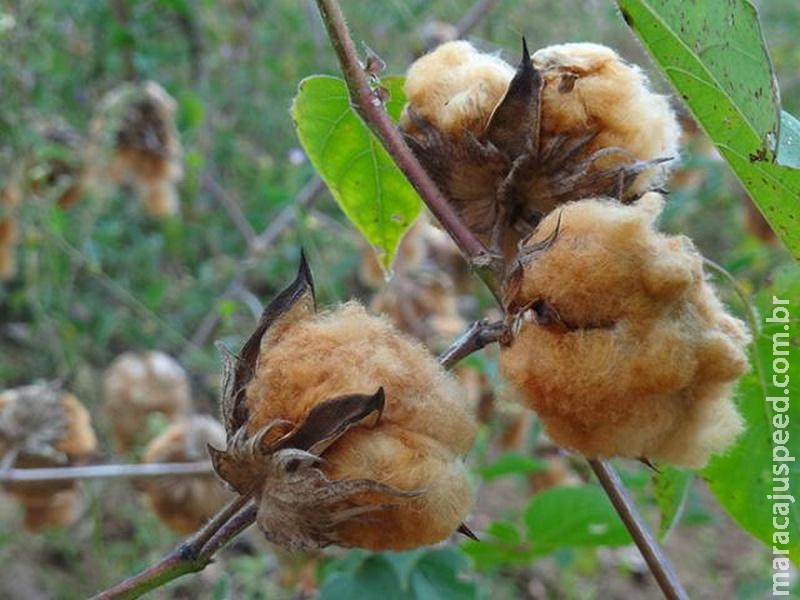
x=455 y=88
x=589 y=88
x=623 y=347
x=416 y=445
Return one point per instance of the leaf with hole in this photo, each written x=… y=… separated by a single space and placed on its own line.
x=715 y=56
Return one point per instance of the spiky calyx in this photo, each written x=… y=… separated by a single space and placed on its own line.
x=346 y=431
x=619 y=342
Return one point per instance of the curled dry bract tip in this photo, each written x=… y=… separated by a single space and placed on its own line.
x=345 y=431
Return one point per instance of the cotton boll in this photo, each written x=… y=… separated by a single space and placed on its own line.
x=184 y=504
x=45 y=427
x=623 y=348
x=346 y=431
x=136 y=385
x=589 y=89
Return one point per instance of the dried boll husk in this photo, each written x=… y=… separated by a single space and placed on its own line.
x=575 y=121
x=185 y=503
x=618 y=341
x=137 y=385
x=134 y=140
x=43 y=426
x=345 y=430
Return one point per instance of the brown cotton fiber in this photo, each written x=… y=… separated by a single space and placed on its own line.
x=184 y=503
x=455 y=88
x=588 y=89
x=416 y=445
x=137 y=385
x=622 y=346
x=508 y=146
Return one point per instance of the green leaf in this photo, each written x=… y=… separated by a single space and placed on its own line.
x=438 y=574
x=510 y=463
x=373 y=579
x=743 y=477
x=415 y=575
x=364 y=180
x=789 y=142
x=714 y=54
x=670 y=487
x=562 y=517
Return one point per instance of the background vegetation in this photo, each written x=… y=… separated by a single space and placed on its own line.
x=103 y=277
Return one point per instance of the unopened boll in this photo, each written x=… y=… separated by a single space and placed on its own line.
x=346 y=431
x=137 y=385
x=185 y=503
x=620 y=344
x=43 y=426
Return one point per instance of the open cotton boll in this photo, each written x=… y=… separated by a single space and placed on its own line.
x=347 y=431
x=589 y=89
x=137 y=385
x=622 y=346
x=509 y=146
x=45 y=427
x=186 y=503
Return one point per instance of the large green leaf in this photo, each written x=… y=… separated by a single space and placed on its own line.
x=364 y=180
x=670 y=487
x=743 y=478
x=563 y=517
x=714 y=54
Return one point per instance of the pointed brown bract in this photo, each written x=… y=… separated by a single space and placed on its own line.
x=620 y=344
x=574 y=121
x=350 y=434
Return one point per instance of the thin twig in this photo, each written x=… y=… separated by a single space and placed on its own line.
x=260 y=245
x=659 y=564
x=378 y=121
x=372 y=111
x=231 y=206
x=474 y=16
x=189 y=557
x=138 y=471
